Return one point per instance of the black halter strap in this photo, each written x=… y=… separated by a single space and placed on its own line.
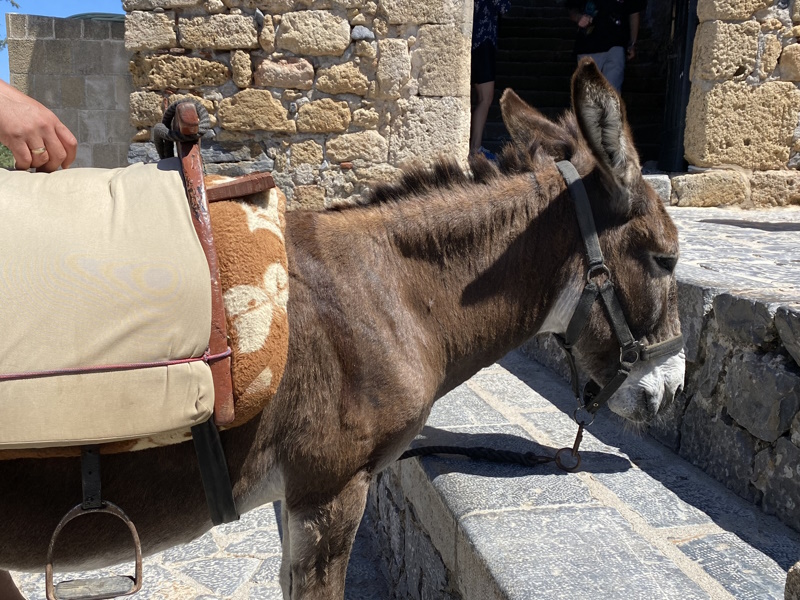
x=599 y=283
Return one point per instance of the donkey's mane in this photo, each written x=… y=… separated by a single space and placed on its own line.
x=447 y=174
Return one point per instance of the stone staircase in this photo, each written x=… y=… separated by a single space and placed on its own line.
x=534 y=58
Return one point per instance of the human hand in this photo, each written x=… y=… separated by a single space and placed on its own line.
x=584 y=21
x=35 y=136
x=631 y=52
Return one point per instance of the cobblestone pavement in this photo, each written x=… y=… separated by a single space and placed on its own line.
x=752 y=252
x=237 y=561
x=636 y=522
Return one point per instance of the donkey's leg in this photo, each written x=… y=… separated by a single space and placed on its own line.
x=321 y=538
x=286 y=554
x=8 y=589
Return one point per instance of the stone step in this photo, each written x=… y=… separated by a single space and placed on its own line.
x=635 y=522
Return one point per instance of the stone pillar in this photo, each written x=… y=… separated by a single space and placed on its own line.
x=331 y=96
x=744 y=104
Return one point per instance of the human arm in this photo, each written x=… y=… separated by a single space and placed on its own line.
x=633 y=20
x=26 y=126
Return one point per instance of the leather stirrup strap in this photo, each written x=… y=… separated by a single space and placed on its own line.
x=186 y=121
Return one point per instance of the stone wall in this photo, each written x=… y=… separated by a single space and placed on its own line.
x=78 y=68
x=330 y=95
x=744 y=105
x=738 y=417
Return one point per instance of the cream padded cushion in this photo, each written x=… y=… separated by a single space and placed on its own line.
x=100 y=267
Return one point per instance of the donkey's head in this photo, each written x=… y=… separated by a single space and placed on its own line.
x=638 y=240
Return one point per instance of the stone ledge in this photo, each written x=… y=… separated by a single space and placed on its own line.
x=457 y=529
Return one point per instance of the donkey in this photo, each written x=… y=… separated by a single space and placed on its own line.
x=391 y=305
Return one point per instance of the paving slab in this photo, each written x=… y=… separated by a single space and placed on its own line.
x=636 y=521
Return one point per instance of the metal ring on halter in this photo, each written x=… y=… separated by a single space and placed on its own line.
x=575 y=455
x=584 y=423
x=635 y=350
x=597 y=270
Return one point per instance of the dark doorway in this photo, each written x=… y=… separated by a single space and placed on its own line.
x=535 y=59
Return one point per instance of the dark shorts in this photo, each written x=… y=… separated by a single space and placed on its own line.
x=483 y=63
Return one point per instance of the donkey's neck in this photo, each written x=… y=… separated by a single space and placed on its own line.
x=484 y=265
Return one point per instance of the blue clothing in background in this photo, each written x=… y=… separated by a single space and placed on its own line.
x=484 y=20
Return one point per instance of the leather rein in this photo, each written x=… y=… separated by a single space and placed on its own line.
x=631 y=351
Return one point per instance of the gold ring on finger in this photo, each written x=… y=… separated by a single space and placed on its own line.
x=41 y=150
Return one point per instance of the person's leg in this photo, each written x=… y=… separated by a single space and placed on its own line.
x=614 y=67
x=485 y=94
x=599 y=59
x=483 y=75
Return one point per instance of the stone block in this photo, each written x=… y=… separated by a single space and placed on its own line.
x=792 y=589
x=428 y=128
x=40 y=28
x=308 y=197
x=16 y=26
x=73 y=92
x=24 y=57
x=730 y=10
x=734 y=123
x=442 y=62
x=266 y=37
x=722 y=449
x=47 y=90
x=769 y=56
x=117 y=33
x=182 y=72
x=146 y=109
x=744 y=320
x=292 y=72
x=403 y=12
x=59 y=57
x=255 y=110
x=119 y=129
x=100 y=92
x=787 y=321
x=131 y=5
x=89 y=61
x=323 y=116
x=662 y=185
x=142 y=152
x=781 y=479
x=149 y=31
x=115 y=58
x=394 y=68
x=369 y=146
x=763 y=396
x=308 y=152
x=313 y=33
x=790 y=63
x=218 y=32
x=724 y=51
x=92 y=128
x=23 y=82
x=96 y=30
x=774 y=188
x=241 y=68
x=346 y=78
x=214 y=152
x=366 y=118
x=68 y=29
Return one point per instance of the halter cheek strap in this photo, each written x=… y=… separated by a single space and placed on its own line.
x=599 y=283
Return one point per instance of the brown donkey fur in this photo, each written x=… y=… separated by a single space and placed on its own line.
x=391 y=305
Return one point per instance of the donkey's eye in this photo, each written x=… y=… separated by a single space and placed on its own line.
x=666 y=262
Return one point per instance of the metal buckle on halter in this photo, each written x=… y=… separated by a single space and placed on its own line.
x=595 y=271
x=629 y=355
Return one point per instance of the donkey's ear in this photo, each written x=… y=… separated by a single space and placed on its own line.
x=601 y=118
x=527 y=125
